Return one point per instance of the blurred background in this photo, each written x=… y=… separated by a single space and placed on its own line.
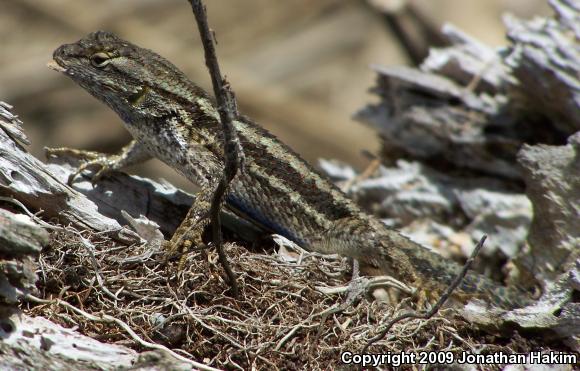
x=300 y=68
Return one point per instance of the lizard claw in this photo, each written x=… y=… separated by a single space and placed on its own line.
x=90 y=159
x=105 y=167
x=182 y=241
x=173 y=248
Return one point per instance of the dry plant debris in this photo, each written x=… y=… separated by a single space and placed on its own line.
x=279 y=322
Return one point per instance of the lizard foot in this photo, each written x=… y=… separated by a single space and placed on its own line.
x=190 y=231
x=104 y=163
x=183 y=241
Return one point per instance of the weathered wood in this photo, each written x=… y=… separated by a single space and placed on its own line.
x=434 y=119
x=38 y=343
x=545 y=60
x=27 y=179
x=20 y=244
x=469 y=61
x=19 y=236
x=552 y=175
x=471 y=107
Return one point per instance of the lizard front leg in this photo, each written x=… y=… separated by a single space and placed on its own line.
x=131 y=154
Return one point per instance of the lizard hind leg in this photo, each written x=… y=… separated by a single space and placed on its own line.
x=371 y=243
x=190 y=231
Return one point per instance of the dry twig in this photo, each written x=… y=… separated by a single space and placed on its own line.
x=437 y=306
x=233 y=155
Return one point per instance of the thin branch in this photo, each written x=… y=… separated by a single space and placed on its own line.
x=233 y=155
x=426 y=315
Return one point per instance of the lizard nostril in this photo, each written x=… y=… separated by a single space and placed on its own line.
x=67 y=50
x=62 y=51
x=58 y=52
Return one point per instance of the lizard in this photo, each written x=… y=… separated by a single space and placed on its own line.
x=176 y=121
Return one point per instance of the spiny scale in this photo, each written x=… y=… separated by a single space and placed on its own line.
x=174 y=120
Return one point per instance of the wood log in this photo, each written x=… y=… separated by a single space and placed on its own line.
x=471 y=108
x=28 y=180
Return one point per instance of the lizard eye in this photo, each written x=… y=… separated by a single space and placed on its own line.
x=100 y=59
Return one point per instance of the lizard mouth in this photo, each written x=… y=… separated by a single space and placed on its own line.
x=54 y=65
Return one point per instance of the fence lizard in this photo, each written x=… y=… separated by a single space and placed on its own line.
x=176 y=121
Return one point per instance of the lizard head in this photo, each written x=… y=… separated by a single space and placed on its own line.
x=123 y=75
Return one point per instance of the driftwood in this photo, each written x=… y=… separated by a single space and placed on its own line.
x=160 y=202
x=545 y=60
x=24 y=341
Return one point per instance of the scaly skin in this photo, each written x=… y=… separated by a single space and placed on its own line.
x=174 y=120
